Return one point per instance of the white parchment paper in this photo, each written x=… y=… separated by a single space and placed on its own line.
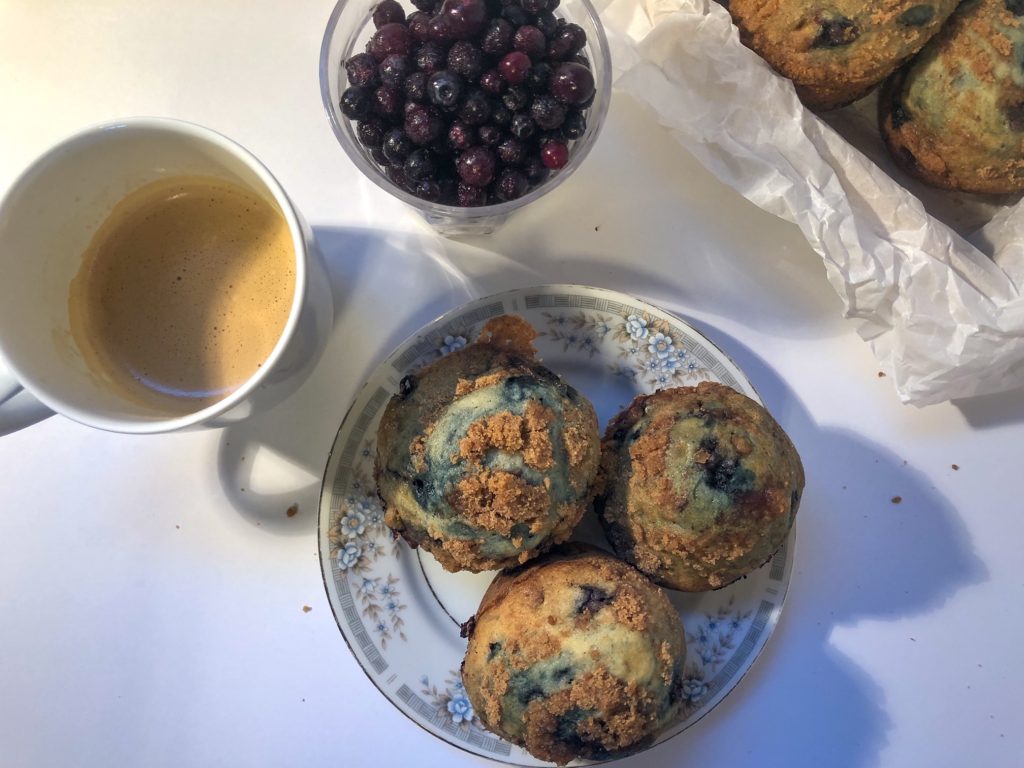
x=943 y=313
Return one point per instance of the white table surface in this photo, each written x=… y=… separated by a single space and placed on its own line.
x=151 y=610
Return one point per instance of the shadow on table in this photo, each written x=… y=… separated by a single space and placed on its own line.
x=858 y=556
x=271 y=464
x=725 y=254
x=998 y=410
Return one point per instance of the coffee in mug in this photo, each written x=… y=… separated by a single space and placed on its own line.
x=183 y=291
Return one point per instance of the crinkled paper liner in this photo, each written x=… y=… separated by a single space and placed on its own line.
x=943 y=313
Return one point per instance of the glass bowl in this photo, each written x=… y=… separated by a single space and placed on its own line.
x=348 y=29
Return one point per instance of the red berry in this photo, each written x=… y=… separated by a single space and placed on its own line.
x=514 y=67
x=465 y=17
x=554 y=154
x=530 y=41
x=572 y=83
x=476 y=166
x=391 y=38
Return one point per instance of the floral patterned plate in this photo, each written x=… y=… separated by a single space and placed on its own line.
x=400 y=611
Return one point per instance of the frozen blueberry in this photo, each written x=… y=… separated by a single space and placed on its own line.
x=567 y=41
x=489 y=135
x=492 y=82
x=522 y=125
x=386 y=12
x=535 y=170
x=388 y=101
x=423 y=125
x=419 y=26
x=428 y=189
x=511 y=151
x=461 y=136
x=465 y=59
x=497 y=39
x=394 y=69
x=415 y=87
x=501 y=115
x=575 y=125
x=470 y=196
x=476 y=109
x=396 y=146
x=548 y=112
x=546 y=23
x=516 y=98
x=419 y=165
x=361 y=70
x=538 y=78
x=444 y=88
x=356 y=102
x=370 y=132
x=429 y=57
x=391 y=38
x=515 y=15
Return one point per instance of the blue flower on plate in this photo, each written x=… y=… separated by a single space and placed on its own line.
x=460 y=708
x=653 y=365
x=692 y=366
x=636 y=326
x=392 y=605
x=451 y=343
x=602 y=329
x=694 y=689
x=353 y=524
x=387 y=589
x=660 y=345
x=348 y=556
x=663 y=379
x=681 y=354
x=670 y=364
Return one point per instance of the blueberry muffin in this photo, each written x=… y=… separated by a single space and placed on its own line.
x=835 y=51
x=954 y=116
x=575 y=655
x=701 y=486
x=486 y=458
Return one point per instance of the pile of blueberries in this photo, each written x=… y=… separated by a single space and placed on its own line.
x=469 y=102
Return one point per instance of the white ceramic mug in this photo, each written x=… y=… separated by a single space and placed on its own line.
x=46 y=221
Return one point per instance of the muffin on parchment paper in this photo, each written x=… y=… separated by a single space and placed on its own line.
x=575 y=655
x=486 y=458
x=700 y=486
x=954 y=116
x=835 y=51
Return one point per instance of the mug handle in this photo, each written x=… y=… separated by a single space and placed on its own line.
x=18 y=408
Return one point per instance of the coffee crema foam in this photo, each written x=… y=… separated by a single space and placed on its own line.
x=183 y=292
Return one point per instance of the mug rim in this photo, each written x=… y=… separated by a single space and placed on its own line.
x=169 y=125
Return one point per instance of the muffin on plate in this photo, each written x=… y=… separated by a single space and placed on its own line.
x=954 y=116
x=575 y=655
x=486 y=458
x=700 y=486
x=835 y=51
